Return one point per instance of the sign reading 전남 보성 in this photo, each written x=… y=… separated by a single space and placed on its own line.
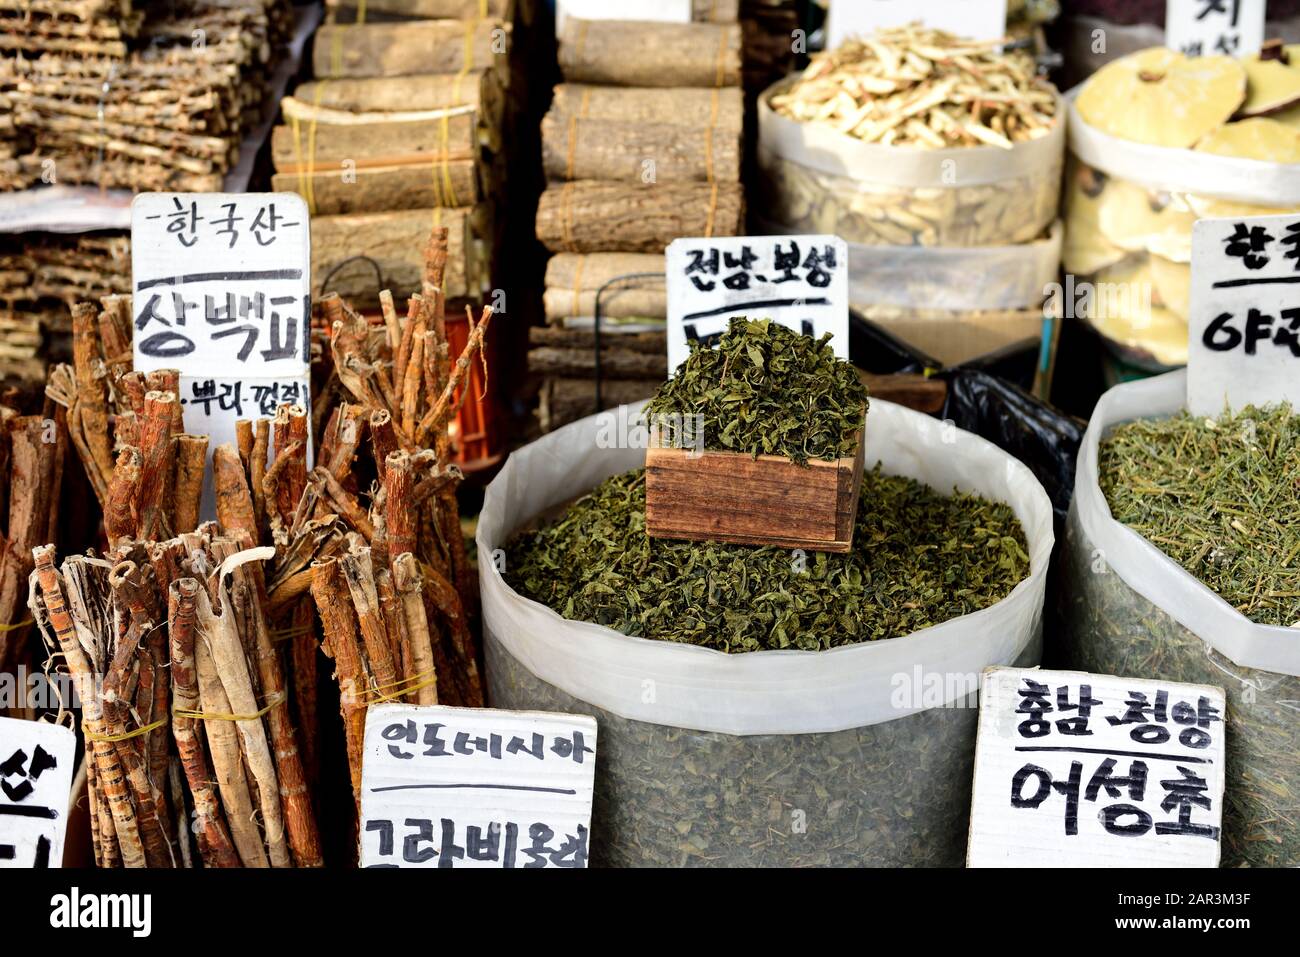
x=476 y=787
x=801 y=282
x=221 y=288
x=1082 y=770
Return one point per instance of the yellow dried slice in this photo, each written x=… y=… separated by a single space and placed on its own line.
x=1122 y=310
x=1173 y=284
x=1086 y=249
x=1272 y=81
x=1258 y=138
x=1160 y=97
x=1206 y=207
x=1136 y=220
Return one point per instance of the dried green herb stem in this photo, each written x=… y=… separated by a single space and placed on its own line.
x=918 y=559
x=1219 y=496
x=768 y=390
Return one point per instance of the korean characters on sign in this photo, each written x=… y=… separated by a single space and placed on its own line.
x=36 y=765
x=1244 y=322
x=221 y=286
x=1090 y=770
x=1215 y=27
x=469 y=787
x=799 y=281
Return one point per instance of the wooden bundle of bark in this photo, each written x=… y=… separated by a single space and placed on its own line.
x=642 y=143
x=87 y=28
x=32 y=452
x=401 y=131
x=768 y=49
x=165 y=112
x=368 y=541
x=632 y=360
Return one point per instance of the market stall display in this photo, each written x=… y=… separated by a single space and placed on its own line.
x=1159 y=139
x=589 y=613
x=915 y=147
x=1175 y=562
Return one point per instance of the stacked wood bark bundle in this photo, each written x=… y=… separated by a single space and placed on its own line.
x=165 y=111
x=400 y=132
x=642 y=144
x=769 y=49
x=41 y=275
x=32 y=451
x=193 y=709
x=86 y=28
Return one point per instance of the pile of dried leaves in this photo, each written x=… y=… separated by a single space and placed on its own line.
x=1218 y=496
x=918 y=559
x=768 y=390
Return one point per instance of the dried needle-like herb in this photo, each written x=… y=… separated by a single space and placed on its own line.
x=918 y=559
x=1220 y=497
x=768 y=390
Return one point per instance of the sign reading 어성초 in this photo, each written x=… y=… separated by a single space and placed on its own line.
x=36 y=765
x=1244 y=321
x=221 y=286
x=801 y=282
x=476 y=787
x=1083 y=770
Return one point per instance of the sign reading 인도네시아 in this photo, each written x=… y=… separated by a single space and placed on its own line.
x=801 y=282
x=36 y=764
x=1215 y=27
x=1083 y=770
x=1244 y=321
x=476 y=787
x=977 y=19
x=221 y=287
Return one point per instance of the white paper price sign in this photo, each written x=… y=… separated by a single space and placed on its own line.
x=1215 y=27
x=802 y=282
x=1244 y=325
x=1081 y=770
x=35 y=786
x=222 y=292
x=474 y=787
x=977 y=19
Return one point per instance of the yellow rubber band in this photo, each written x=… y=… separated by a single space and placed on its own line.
x=18 y=624
x=403 y=687
x=713 y=209
x=125 y=736
x=276 y=700
x=293 y=631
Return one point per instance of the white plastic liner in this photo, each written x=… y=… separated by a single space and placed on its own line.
x=765 y=692
x=1166 y=169
x=1146 y=569
x=818 y=146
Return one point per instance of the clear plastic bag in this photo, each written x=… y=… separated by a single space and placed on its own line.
x=697 y=746
x=1128 y=609
x=816 y=180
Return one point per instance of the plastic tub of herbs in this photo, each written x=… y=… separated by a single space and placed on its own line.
x=1182 y=562
x=761 y=705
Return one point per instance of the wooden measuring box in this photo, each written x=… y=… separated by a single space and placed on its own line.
x=768 y=500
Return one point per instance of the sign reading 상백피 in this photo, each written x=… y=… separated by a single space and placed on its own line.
x=475 y=787
x=976 y=19
x=221 y=288
x=1244 y=321
x=802 y=282
x=1082 y=770
x=36 y=764
x=1215 y=27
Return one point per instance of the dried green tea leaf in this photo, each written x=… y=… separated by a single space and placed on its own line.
x=768 y=390
x=918 y=559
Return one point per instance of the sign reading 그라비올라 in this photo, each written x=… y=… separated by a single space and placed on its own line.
x=221 y=287
x=1083 y=770
x=475 y=787
x=801 y=282
x=1244 y=324
x=1215 y=27
x=36 y=764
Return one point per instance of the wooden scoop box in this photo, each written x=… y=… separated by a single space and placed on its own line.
x=769 y=500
